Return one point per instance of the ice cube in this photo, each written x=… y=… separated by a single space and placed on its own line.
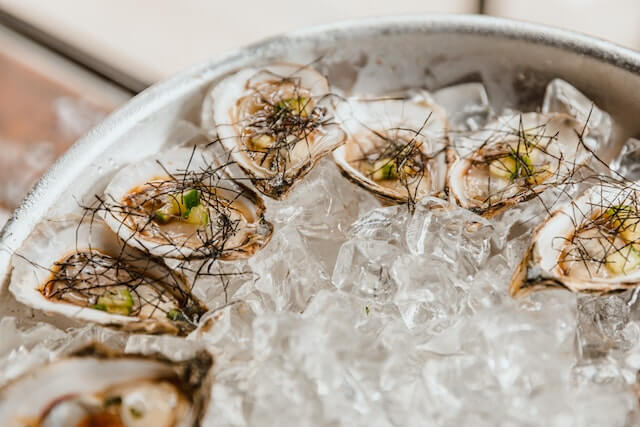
x=385 y=224
x=214 y=282
x=323 y=205
x=627 y=163
x=363 y=269
x=427 y=296
x=467 y=105
x=602 y=371
x=562 y=97
x=454 y=235
x=288 y=274
x=604 y=325
x=179 y=348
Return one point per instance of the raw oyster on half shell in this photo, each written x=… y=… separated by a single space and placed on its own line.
x=515 y=158
x=181 y=204
x=80 y=269
x=98 y=387
x=276 y=121
x=396 y=147
x=591 y=244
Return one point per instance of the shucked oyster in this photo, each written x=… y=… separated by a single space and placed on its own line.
x=515 y=158
x=181 y=205
x=589 y=245
x=276 y=122
x=96 y=387
x=81 y=270
x=396 y=148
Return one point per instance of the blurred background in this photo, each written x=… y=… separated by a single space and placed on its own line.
x=65 y=64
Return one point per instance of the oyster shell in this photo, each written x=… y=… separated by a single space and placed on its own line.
x=81 y=270
x=515 y=158
x=276 y=121
x=591 y=244
x=180 y=204
x=396 y=148
x=98 y=387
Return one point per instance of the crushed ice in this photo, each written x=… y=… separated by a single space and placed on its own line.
x=362 y=315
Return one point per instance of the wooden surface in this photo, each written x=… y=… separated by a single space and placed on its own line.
x=46 y=103
x=27 y=103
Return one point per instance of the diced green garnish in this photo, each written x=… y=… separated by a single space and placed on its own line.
x=190 y=199
x=178 y=206
x=172 y=208
x=161 y=216
x=198 y=215
x=512 y=166
x=384 y=169
x=298 y=105
x=623 y=261
x=119 y=301
x=135 y=412
x=524 y=166
x=175 y=314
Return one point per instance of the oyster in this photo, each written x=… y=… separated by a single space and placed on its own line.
x=515 y=158
x=275 y=121
x=179 y=204
x=396 y=147
x=592 y=244
x=98 y=387
x=80 y=269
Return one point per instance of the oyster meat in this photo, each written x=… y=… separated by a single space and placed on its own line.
x=81 y=270
x=515 y=158
x=592 y=244
x=98 y=387
x=180 y=204
x=276 y=121
x=396 y=148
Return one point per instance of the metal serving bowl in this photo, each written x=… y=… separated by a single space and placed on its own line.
x=513 y=59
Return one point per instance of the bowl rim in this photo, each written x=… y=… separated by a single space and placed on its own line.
x=87 y=148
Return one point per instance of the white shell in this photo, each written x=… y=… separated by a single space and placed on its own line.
x=541 y=266
x=418 y=117
x=255 y=235
x=469 y=148
x=52 y=241
x=220 y=117
x=27 y=398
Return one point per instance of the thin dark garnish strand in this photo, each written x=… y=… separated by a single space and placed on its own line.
x=285 y=124
x=160 y=291
x=527 y=183
x=87 y=274
x=211 y=241
x=91 y=274
x=403 y=147
x=597 y=232
x=615 y=194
